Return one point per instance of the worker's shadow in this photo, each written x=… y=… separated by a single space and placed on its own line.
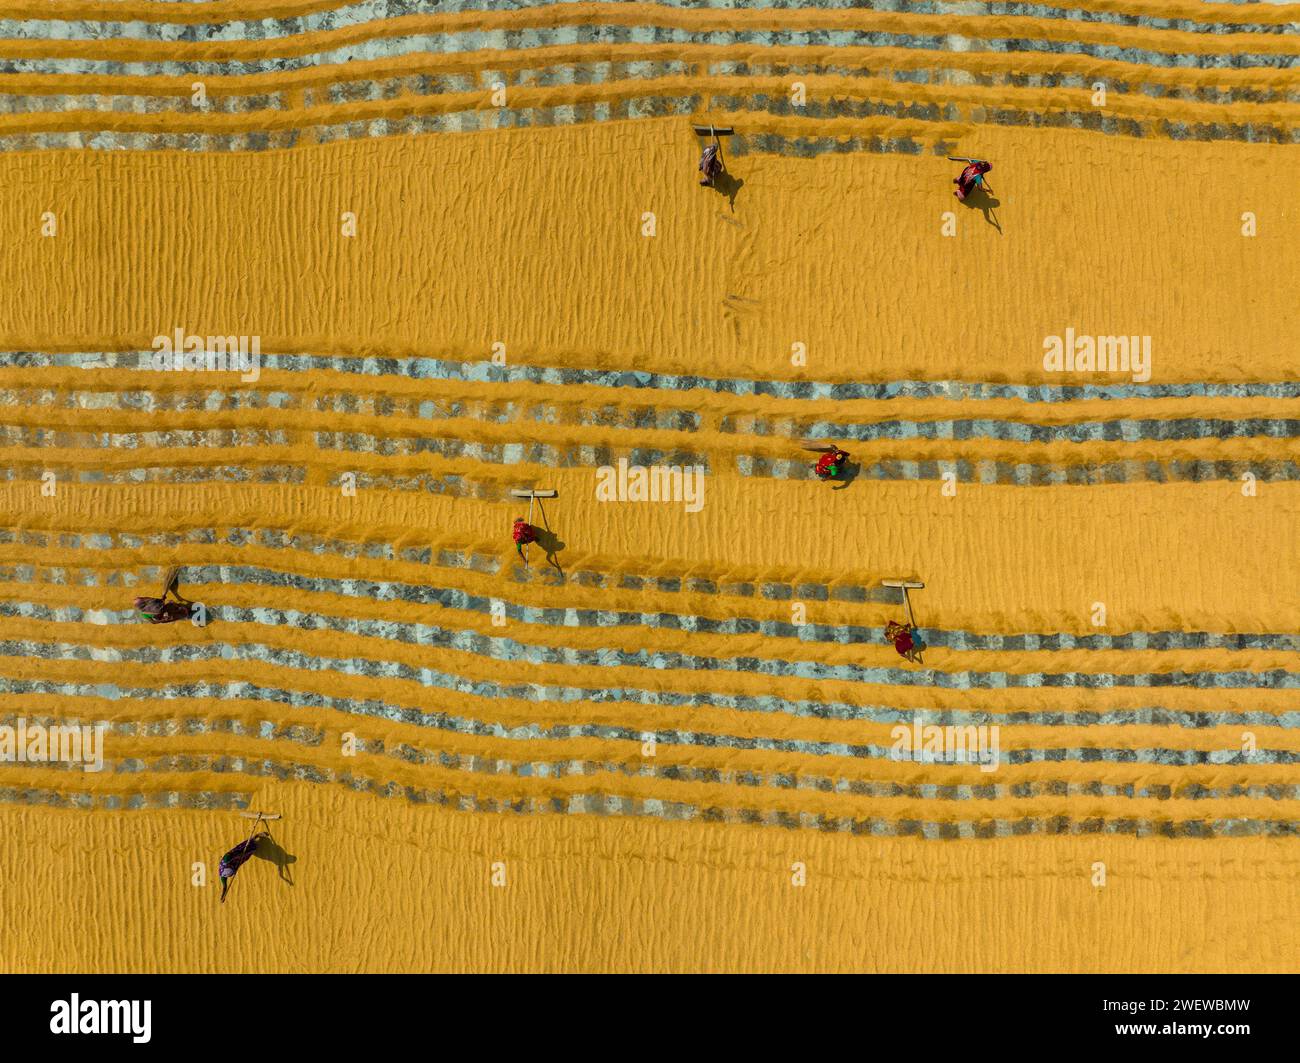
x=979 y=199
x=850 y=473
x=269 y=849
x=726 y=184
x=549 y=543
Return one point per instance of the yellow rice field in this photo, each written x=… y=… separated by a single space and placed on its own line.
x=457 y=742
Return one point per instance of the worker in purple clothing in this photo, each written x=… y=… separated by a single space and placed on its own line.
x=711 y=163
x=237 y=857
x=159 y=610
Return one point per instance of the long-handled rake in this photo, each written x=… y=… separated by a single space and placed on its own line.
x=905 y=585
x=532 y=496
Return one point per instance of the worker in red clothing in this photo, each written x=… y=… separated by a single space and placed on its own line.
x=971 y=177
x=830 y=466
x=523 y=534
x=901 y=636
